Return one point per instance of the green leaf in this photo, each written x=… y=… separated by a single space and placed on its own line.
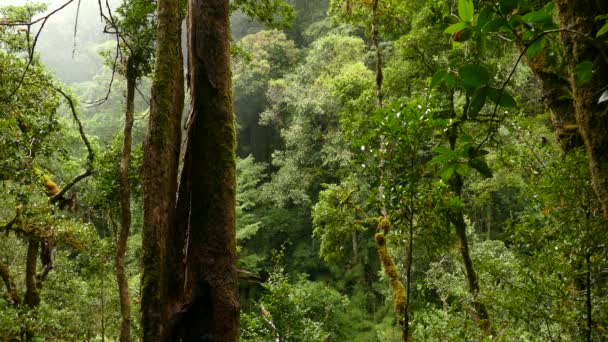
x=465 y=138
x=538 y=17
x=507 y=6
x=537 y=47
x=459 y=26
x=447 y=171
x=440 y=159
x=583 y=72
x=484 y=18
x=438 y=78
x=473 y=76
x=603 y=30
x=466 y=10
x=442 y=150
x=502 y=98
x=481 y=167
x=443 y=76
x=494 y=25
x=462 y=169
x=479 y=99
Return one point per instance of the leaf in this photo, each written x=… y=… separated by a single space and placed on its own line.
x=603 y=30
x=442 y=150
x=481 y=167
x=465 y=138
x=443 y=76
x=538 y=17
x=583 y=72
x=537 y=47
x=466 y=10
x=473 y=76
x=447 y=171
x=440 y=159
x=459 y=26
x=604 y=97
x=484 y=18
x=494 y=25
x=507 y=6
x=479 y=99
x=502 y=98
x=462 y=169
x=438 y=78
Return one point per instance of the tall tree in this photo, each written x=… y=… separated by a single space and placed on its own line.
x=202 y=248
x=161 y=152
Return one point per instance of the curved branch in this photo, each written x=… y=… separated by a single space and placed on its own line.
x=91 y=154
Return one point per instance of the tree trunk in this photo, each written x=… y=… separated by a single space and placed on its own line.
x=32 y=291
x=203 y=247
x=456 y=216
x=12 y=296
x=161 y=155
x=591 y=116
x=125 y=208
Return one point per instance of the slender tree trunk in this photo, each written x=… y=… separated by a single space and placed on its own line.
x=203 y=247
x=408 y=262
x=32 y=291
x=456 y=216
x=376 y=41
x=160 y=164
x=591 y=116
x=12 y=296
x=125 y=209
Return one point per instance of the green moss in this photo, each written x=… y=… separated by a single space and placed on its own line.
x=399 y=294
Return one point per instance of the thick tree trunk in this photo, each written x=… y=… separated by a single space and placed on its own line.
x=161 y=155
x=125 y=209
x=203 y=248
x=578 y=18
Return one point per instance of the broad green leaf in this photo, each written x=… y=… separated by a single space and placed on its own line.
x=464 y=35
x=479 y=99
x=502 y=98
x=538 y=17
x=494 y=25
x=466 y=10
x=440 y=159
x=462 y=169
x=459 y=26
x=443 y=76
x=442 y=150
x=507 y=6
x=583 y=72
x=484 y=18
x=447 y=171
x=537 y=47
x=481 y=167
x=603 y=30
x=473 y=76
x=465 y=138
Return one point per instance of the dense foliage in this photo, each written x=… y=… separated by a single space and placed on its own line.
x=459 y=207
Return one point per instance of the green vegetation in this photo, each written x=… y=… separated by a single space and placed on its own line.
x=406 y=171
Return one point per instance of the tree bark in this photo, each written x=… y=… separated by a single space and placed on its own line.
x=204 y=284
x=591 y=116
x=125 y=208
x=160 y=164
x=12 y=296
x=32 y=291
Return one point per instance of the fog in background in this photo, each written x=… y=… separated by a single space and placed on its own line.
x=72 y=60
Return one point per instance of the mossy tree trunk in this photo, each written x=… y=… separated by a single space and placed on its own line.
x=578 y=19
x=204 y=284
x=125 y=208
x=160 y=164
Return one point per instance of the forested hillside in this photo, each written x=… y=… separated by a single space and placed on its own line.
x=304 y=170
